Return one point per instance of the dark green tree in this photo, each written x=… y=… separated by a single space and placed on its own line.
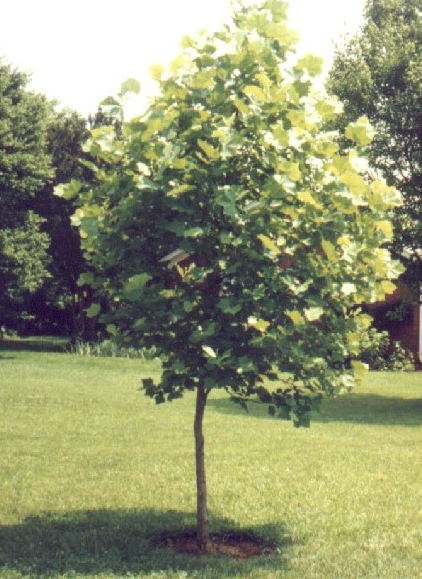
x=378 y=73
x=230 y=229
x=62 y=301
x=24 y=170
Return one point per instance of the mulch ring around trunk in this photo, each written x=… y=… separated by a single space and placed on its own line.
x=238 y=545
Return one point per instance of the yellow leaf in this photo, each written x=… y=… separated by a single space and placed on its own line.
x=298 y=119
x=313 y=314
x=348 y=288
x=340 y=164
x=306 y=197
x=241 y=106
x=281 y=135
x=181 y=189
x=157 y=71
x=255 y=91
x=203 y=80
x=260 y=325
x=203 y=115
x=179 y=163
x=344 y=240
x=209 y=351
x=263 y=80
x=296 y=317
x=361 y=131
x=329 y=108
x=364 y=320
x=210 y=151
x=177 y=64
x=386 y=228
x=291 y=169
x=329 y=250
x=268 y=243
x=220 y=134
x=327 y=148
x=388 y=287
x=354 y=182
x=380 y=263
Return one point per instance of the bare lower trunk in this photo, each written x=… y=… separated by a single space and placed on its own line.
x=201 y=485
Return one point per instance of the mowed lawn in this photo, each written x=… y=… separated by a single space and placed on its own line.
x=91 y=471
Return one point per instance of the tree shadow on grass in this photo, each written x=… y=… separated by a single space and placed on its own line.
x=372 y=409
x=350 y=408
x=120 y=542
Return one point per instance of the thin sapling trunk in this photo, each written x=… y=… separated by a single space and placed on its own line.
x=201 y=485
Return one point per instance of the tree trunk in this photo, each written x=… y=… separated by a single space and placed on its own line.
x=201 y=485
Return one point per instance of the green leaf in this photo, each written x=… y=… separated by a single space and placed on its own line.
x=193 y=232
x=135 y=286
x=112 y=329
x=130 y=85
x=311 y=63
x=228 y=307
x=93 y=310
x=68 y=190
x=86 y=278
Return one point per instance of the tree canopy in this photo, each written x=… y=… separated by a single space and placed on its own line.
x=231 y=228
x=377 y=73
x=24 y=170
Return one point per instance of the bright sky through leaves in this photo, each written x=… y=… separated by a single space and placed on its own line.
x=79 y=52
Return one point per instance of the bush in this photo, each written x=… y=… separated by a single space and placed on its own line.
x=377 y=351
x=111 y=349
x=400 y=359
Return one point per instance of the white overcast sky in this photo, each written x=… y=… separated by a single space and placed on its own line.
x=79 y=51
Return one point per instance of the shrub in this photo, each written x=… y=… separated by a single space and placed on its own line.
x=377 y=351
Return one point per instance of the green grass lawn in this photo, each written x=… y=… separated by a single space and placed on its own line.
x=91 y=470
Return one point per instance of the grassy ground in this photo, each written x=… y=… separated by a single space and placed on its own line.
x=91 y=470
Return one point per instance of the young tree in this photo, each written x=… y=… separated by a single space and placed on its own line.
x=233 y=233
x=377 y=73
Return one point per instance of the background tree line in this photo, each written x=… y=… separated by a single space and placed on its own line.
x=375 y=73
x=40 y=252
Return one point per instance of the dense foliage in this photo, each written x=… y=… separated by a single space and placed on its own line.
x=40 y=253
x=24 y=170
x=229 y=229
x=377 y=73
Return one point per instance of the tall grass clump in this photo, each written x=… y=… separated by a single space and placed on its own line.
x=111 y=349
